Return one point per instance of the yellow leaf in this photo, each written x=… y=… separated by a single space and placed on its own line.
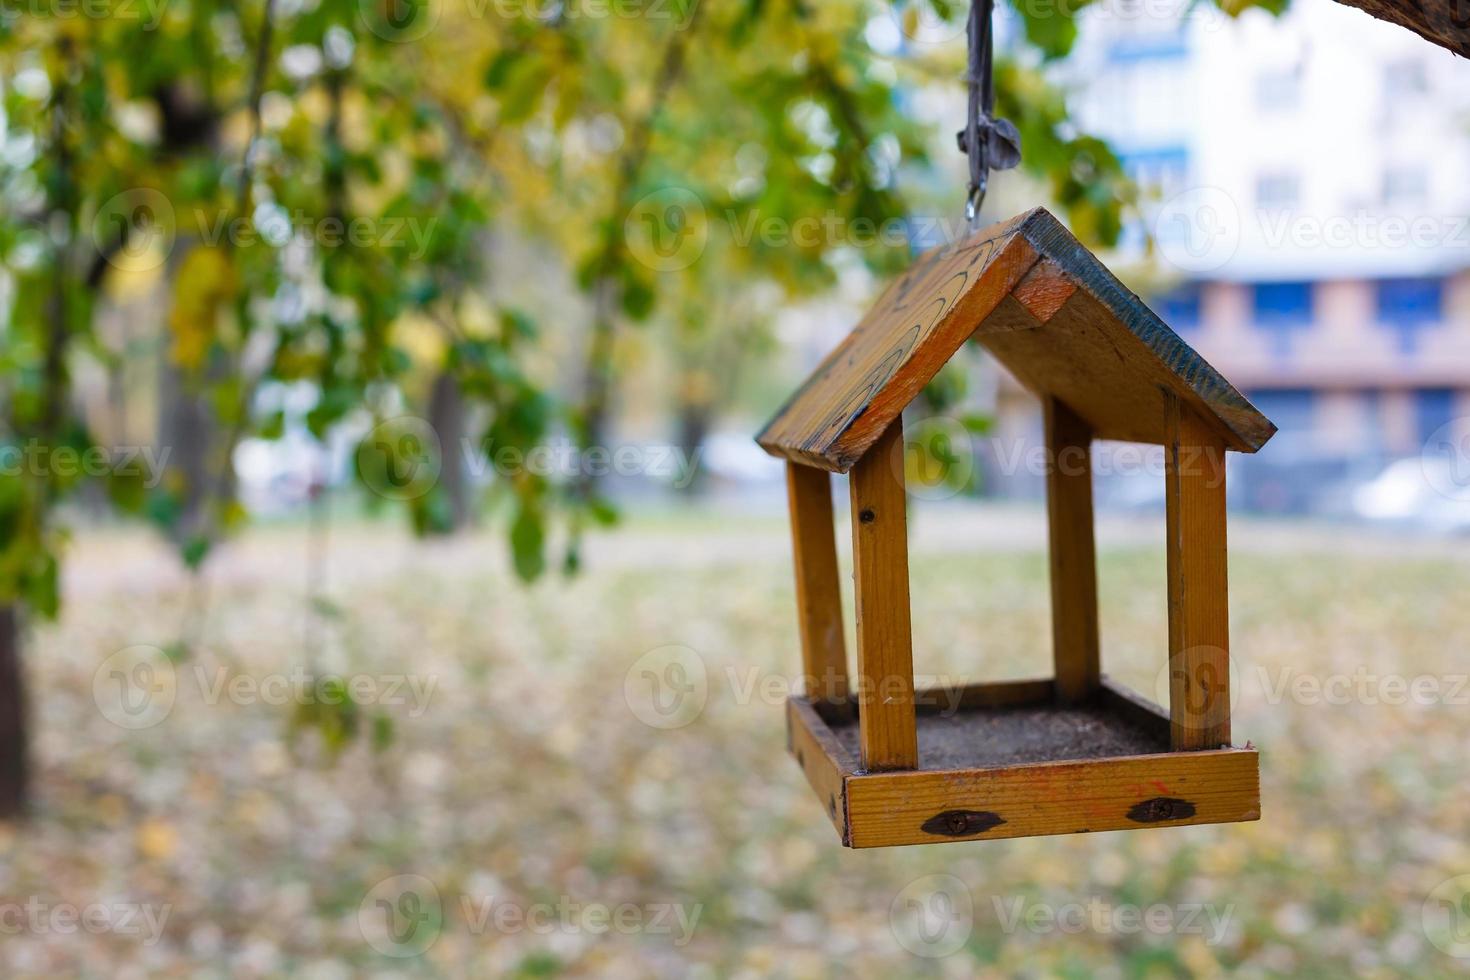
x=156 y=839
x=205 y=282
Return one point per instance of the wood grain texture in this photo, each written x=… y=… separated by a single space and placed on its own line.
x=1044 y=290
x=1199 y=619
x=922 y=319
x=1184 y=371
x=1439 y=22
x=1072 y=549
x=1104 y=374
x=821 y=758
x=1129 y=704
x=818 y=599
x=1048 y=310
x=881 y=596
x=996 y=694
x=1171 y=789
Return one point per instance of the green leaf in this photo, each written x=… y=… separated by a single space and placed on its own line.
x=382 y=737
x=602 y=511
x=528 y=543
x=193 y=551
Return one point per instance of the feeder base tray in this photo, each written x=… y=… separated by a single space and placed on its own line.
x=1004 y=760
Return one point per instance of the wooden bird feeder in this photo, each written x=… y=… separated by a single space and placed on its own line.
x=1075 y=752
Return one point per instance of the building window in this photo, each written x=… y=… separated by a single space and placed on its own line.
x=1163 y=167
x=1405 y=186
x=1281 y=309
x=1141 y=37
x=1180 y=307
x=1404 y=78
x=1278 y=91
x=1433 y=409
x=1407 y=306
x=1292 y=409
x=1277 y=192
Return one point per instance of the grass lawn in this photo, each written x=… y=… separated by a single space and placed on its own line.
x=560 y=833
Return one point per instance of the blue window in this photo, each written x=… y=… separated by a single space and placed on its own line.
x=1433 y=407
x=1281 y=308
x=1180 y=307
x=1152 y=45
x=1408 y=305
x=1156 y=164
x=1291 y=409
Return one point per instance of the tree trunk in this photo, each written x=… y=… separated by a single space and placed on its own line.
x=446 y=416
x=14 y=760
x=694 y=424
x=188 y=428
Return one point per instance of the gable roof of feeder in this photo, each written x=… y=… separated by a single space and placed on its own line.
x=1048 y=310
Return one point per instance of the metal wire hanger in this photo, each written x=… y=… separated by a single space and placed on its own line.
x=990 y=143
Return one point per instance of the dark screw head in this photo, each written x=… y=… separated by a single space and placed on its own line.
x=867 y=516
x=958 y=823
x=1161 y=809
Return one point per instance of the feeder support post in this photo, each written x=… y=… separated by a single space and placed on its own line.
x=886 y=729
x=818 y=599
x=1199 y=620
x=1073 y=553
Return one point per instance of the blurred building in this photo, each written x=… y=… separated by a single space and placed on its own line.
x=1310 y=211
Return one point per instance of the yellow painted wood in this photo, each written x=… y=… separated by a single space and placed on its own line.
x=1071 y=547
x=818 y=600
x=881 y=597
x=1199 y=618
x=1128 y=793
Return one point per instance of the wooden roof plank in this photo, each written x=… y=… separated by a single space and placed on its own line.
x=1048 y=309
x=921 y=320
x=1437 y=21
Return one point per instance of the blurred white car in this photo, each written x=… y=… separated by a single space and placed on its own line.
x=735 y=458
x=1427 y=493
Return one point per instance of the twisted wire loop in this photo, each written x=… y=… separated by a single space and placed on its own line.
x=990 y=143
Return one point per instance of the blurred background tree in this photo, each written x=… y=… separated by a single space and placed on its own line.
x=224 y=222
